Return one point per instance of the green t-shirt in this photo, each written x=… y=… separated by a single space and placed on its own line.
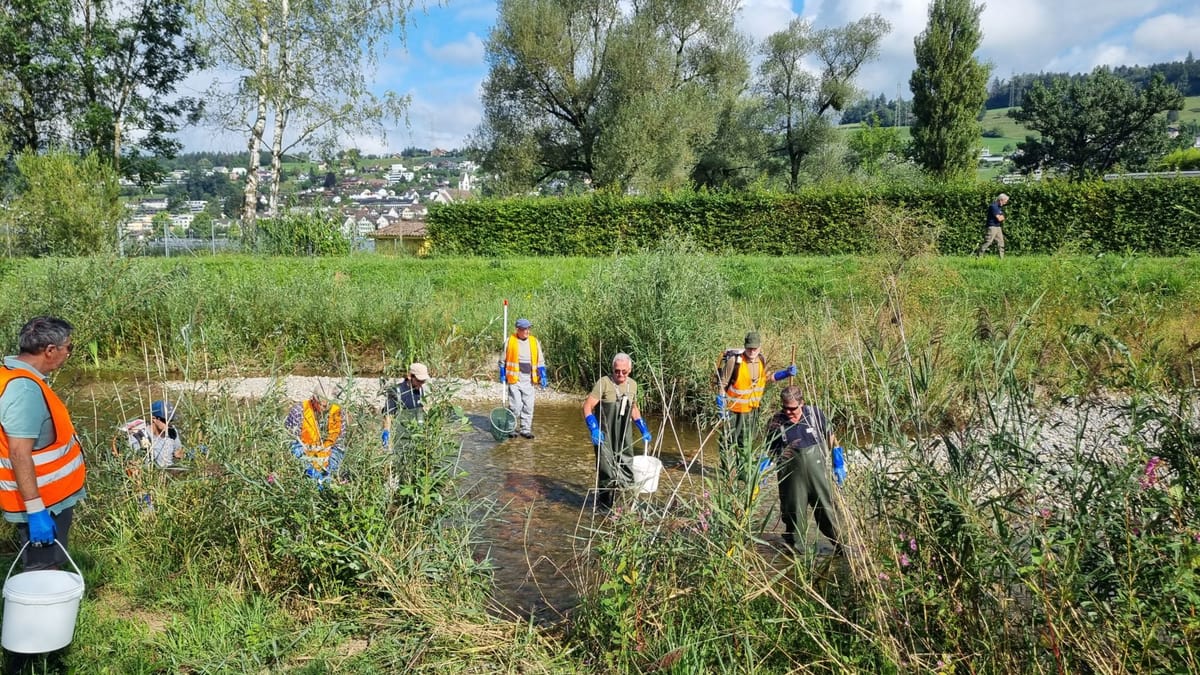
x=607 y=391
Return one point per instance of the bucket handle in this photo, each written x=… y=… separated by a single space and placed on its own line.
x=56 y=541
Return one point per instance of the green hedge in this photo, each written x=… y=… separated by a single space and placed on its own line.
x=1154 y=216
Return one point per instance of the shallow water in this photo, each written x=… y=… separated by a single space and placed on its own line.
x=540 y=489
x=544 y=488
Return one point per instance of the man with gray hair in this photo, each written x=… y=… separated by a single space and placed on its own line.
x=995 y=226
x=612 y=433
x=41 y=463
x=799 y=438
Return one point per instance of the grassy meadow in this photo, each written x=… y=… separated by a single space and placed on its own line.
x=974 y=546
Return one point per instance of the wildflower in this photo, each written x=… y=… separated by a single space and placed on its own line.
x=912 y=544
x=1150 y=474
x=883 y=576
x=1045 y=513
x=270 y=479
x=904 y=561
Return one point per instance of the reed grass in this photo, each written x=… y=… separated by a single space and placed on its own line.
x=976 y=544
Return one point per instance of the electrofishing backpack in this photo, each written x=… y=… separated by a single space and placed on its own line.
x=728 y=364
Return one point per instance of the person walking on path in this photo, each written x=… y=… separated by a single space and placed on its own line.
x=612 y=432
x=798 y=437
x=41 y=463
x=995 y=227
x=524 y=365
x=317 y=427
x=741 y=379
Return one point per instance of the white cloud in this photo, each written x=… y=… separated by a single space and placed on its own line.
x=1168 y=33
x=760 y=18
x=465 y=52
x=1027 y=35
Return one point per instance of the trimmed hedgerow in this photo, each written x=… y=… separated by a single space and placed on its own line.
x=1149 y=216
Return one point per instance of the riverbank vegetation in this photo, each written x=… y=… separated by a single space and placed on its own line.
x=1083 y=315
x=976 y=541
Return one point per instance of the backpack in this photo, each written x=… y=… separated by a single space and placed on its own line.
x=727 y=372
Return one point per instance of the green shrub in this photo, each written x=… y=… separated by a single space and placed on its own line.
x=302 y=234
x=1119 y=216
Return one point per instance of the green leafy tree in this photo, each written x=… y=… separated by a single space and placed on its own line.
x=949 y=88
x=580 y=89
x=872 y=143
x=799 y=101
x=131 y=61
x=1091 y=124
x=97 y=75
x=36 y=70
x=66 y=206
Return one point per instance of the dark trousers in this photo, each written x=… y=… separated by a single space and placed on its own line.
x=50 y=557
x=804 y=483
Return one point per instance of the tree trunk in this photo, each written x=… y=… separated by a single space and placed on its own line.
x=280 y=113
x=250 y=202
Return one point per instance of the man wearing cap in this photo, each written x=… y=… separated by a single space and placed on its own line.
x=741 y=380
x=41 y=463
x=403 y=400
x=524 y=365
x=164 y=444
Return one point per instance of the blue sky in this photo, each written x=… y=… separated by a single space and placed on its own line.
x=441 y=64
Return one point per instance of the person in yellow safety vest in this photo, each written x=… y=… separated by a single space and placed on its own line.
x=741 y=379
x=41 y=463
x=524 y=365
x=319 y=448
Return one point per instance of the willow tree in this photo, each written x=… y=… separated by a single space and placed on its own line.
x=798 y=100
x=949 y=88
x=304 y=68
x=622 y=96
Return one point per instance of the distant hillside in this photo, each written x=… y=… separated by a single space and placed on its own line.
x=1006 y=93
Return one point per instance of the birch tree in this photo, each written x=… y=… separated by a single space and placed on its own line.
x=302 y=68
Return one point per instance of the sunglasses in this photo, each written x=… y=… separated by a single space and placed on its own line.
x=618 y=371
x=791 y=408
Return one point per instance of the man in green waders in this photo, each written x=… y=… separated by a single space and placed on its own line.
x=612 y=433
x=799 y=436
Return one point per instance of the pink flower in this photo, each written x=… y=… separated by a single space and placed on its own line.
x=912 y=544
x=904 y=561
x=883 y=576
x=1150 y=474
x=270 y=479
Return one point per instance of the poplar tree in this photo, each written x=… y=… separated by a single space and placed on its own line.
x=949 y=88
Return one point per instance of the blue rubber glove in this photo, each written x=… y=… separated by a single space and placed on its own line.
x=386 y=436
x=721 y=411
x=594 y=426
x=542 y=376
x=839 y=465
x=41 y=528
x=790 y=371
x=503 y=374
x=641 y=425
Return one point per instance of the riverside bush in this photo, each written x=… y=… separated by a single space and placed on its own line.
x=1118 y=216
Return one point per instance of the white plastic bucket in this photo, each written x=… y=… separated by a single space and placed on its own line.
x=40 y=608
x=645 y=473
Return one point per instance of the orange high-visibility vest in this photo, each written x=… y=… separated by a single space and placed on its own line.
x=746 y=390
x=512 y=363
x=58 y=466
x=316 y=450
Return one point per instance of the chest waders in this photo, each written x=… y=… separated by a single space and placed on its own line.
x=614 y=454
x=804 y=482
